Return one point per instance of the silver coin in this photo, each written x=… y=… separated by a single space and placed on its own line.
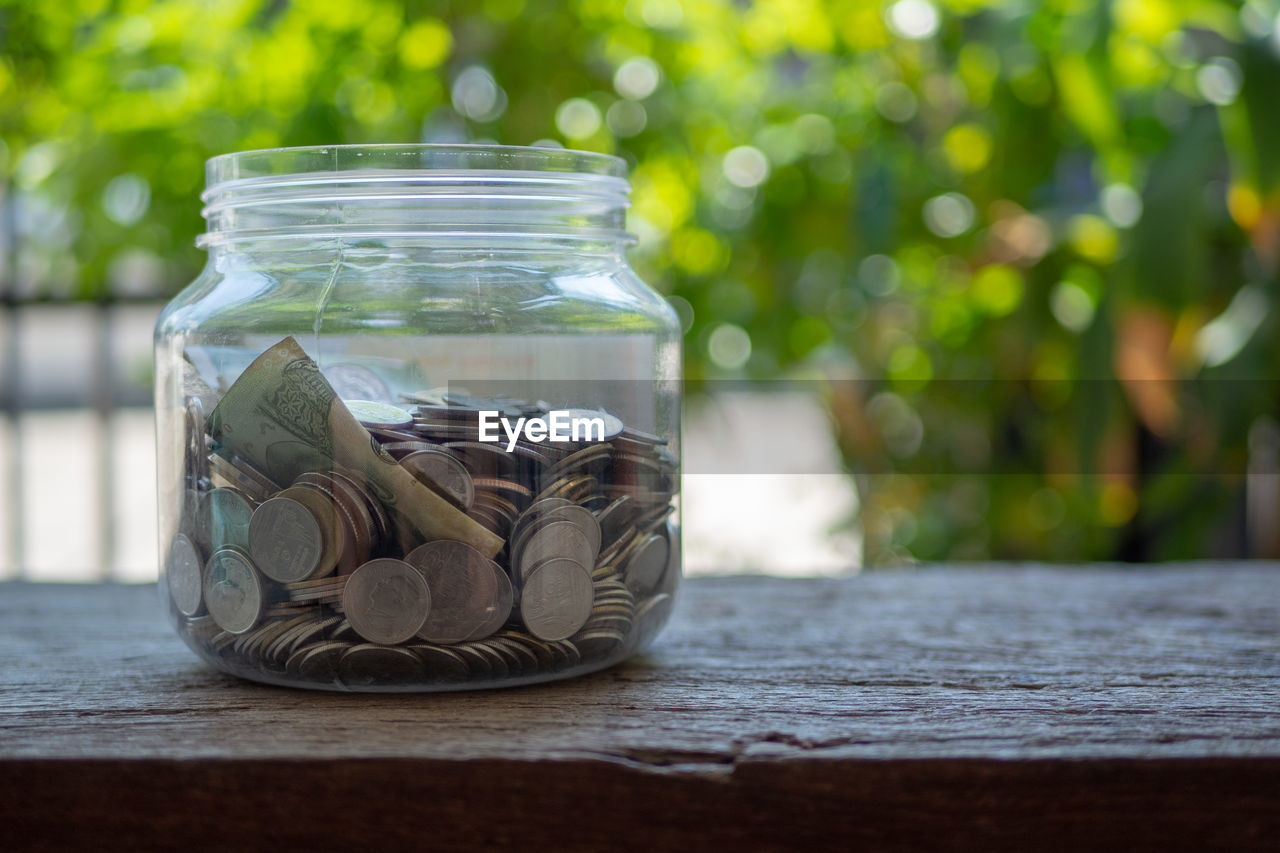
x=651 y=615
x=612 y=425
x=501 y=612
x=584 y=520
x=615 y=519
x=182 y=574
x=441 y=662
x=317 y=661
x=195 y=516
x=386 y=601
x=536 y=509
x=381 y=521
x=557 y=539
x=285 y=540
x=229 y=514
x=356 y=381
x=233 y=591
x=224 y=472
x=464 y=589
x=195 y=465
x=479 y=665
x=528 y=661
x=371 y=413
x=369 y=663
x=526 y=522
x=647 y=564
x=671 y=575
x=555 y=600
x=440 y=472
x=599 y=643
x=399 y=449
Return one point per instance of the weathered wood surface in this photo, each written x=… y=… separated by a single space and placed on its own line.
x=957 y=708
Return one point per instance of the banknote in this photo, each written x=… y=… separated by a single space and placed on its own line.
x=282 y=416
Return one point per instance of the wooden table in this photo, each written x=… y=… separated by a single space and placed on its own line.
x=990 y=708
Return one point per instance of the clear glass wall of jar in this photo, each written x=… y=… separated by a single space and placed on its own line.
x=418 y=422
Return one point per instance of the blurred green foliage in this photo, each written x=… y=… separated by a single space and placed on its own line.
x=1041 y=236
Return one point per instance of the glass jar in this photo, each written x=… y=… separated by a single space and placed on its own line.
x=418 y=421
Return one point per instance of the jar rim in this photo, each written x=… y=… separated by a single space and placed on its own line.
x=441 y=192
x=409 y=161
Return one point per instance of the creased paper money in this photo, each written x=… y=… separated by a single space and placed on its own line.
x=284 y=417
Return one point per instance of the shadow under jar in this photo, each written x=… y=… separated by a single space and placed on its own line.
x=418 y=422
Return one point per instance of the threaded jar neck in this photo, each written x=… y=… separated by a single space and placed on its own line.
x=442 y=193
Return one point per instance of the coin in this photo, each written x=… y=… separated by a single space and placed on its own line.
x=493 y=665
x=583 y=520
x=354 y=540
x=599 y=643
x=527 y=659
x=233 y=591
x=370 y=663
x=536 y=509
x=371 y=413
x=443 y=474
x=501 y=611
x=381 y=521
x=464 y=589
x=295 y=535
x=555 y=600
x=509 y=487
x=317 y=661
x=285 y=539
x=644 y=438
x=182 y=574
x=650 y=617
x=478 y=664
x=194 y=520
x=386 y=600
x=441 y=662
x=647 y=564
x=614 y=519
x=586 y=528
x=579 y=459
x=229 y=514
x=360 y=528
x=557 y=539
x=223 y=473
x=356 y=381
x=400 y=449
x=612 y=425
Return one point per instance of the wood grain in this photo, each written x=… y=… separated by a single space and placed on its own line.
x=961 y=708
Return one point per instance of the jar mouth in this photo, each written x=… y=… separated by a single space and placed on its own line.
x=363 y=191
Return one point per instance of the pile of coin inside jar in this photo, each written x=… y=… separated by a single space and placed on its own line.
x=314 y=580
